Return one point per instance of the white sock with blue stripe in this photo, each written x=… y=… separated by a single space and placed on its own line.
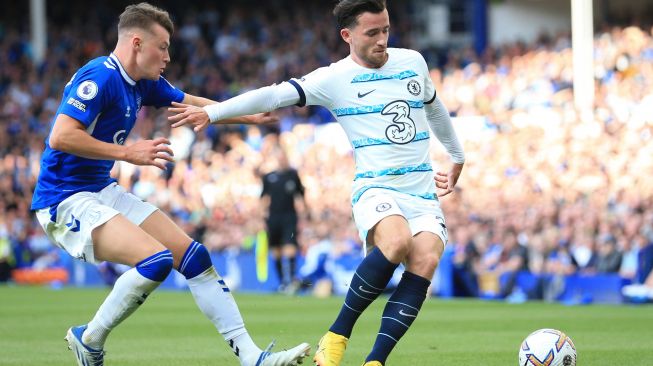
x=215 y=300
x=128 y=293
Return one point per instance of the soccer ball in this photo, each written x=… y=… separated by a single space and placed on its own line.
x=547 y=347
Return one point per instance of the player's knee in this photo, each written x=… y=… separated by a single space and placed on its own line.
x=424 y=264
x=430 y=261
x=397 y=247
x=195 y=261
x=156 y=267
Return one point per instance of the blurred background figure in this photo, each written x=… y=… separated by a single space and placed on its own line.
x=282 y=189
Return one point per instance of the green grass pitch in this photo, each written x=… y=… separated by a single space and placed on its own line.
x=170 y=330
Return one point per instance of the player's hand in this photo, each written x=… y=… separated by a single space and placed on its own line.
x=150 y=152
x=446 y=182
x=185 y=114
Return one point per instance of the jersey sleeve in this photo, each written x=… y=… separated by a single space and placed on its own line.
x=314 y=88
x=161 y=93
x=266 y=186
x=298 y=183
x=87 y=94
x=429 y=88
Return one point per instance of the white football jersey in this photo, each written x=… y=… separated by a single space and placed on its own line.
x=382 y=113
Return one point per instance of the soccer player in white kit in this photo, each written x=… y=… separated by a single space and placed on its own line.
x=84 y=211
x=386 y=103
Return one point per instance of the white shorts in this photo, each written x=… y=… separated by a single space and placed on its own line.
x=70 y=225
x=422 y=214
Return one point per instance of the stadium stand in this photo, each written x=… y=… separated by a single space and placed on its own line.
x=577 y=193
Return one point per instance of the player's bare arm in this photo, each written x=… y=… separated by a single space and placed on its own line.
x=70 y=136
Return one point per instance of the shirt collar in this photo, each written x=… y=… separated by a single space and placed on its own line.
x=122 y=70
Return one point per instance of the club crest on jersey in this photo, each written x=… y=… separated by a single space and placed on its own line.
x=383 y=207
x=414 y=88
x=87 y=90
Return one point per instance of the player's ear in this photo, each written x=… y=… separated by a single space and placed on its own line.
x=345 y=33
x=137 y=42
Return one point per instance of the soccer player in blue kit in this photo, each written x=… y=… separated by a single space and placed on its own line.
x=386 y=103
x=84 y=211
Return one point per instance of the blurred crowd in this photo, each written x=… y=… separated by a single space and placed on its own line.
x=545 y=188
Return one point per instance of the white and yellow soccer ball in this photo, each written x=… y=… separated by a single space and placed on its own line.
x=547 y=347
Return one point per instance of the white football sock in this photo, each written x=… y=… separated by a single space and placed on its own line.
x=214 y=299
x=129 y=292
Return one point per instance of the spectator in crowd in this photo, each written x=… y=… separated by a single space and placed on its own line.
x=608 y=257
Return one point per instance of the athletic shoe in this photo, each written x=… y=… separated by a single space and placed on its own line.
x=292 y=357
x=330 y=350
x=86 y=356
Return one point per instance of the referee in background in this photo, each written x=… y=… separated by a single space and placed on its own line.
x=281 y=188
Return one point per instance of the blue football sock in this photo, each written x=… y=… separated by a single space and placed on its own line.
x=399 y=313
x=369 y=281
x=196 y=260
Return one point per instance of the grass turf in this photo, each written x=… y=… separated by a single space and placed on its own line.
x=170 y=330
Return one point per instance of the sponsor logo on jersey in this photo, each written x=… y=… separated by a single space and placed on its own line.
x=87 y=90
x=77 y=104
x=119 y=137
x=414 y=88
x=361 y=95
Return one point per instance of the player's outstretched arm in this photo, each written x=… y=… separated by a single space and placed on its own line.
x=70 y=136
x=254 y=119
x=261 y=100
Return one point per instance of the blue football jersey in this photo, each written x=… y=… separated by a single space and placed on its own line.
x=103 y=97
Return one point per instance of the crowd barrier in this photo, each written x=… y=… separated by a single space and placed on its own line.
x=239 y=269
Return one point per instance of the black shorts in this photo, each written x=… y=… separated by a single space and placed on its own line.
x=282 y=229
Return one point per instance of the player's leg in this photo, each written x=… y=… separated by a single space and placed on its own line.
x=151 y=263
x=390 y=235
x=274 y=233
x=275 y=251
x=211 y=294
x=390 y=238
x=86 y=228
x=289 y=252
x=406 y=301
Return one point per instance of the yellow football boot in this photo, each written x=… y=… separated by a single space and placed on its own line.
x=330 y=350
x=372 y=363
